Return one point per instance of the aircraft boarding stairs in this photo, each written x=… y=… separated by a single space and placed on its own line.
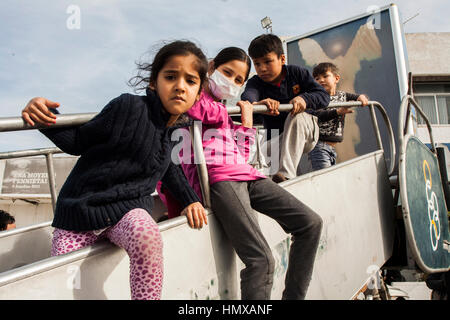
x=357 y=238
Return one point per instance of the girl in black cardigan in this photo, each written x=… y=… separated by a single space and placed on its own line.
x=124 y=151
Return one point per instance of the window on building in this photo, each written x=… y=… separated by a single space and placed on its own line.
x=434 y=99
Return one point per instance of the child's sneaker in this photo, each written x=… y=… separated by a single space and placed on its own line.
x=278 y=177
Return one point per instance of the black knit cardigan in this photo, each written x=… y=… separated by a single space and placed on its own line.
x=124 y=151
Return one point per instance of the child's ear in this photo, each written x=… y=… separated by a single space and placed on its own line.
x=210 y=67
x=152 y=85
x=283 y=58
x=338 y=77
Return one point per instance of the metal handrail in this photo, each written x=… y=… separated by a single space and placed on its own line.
x=53 y=262
x=349 y=104
x=404 y=122
x=392 y=145
x=29 y=153
x=13 y=232
x=379 y=106
x=63 y=120
x=444 y=94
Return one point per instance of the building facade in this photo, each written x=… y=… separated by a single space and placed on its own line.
x=428 y=56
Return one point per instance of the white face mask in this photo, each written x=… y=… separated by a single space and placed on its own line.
x=221 y=87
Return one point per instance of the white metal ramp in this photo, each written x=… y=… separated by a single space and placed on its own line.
x=357 y=237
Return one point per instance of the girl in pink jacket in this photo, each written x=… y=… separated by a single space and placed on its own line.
x=237 y=189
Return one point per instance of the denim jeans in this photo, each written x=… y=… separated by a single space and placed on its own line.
x=234 y=202
x=322 y=156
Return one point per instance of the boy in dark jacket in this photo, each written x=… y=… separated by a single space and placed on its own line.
x=277 y=83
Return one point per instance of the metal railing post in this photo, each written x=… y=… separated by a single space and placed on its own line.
x=407 y=101
x=427 y=121
x=375 y=125
x=51 y=178
x=199 y=159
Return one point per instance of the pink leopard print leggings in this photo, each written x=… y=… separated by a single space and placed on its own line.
x=139 y=235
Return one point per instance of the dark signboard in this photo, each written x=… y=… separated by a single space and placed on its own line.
x=424 y=207
x=370 y=53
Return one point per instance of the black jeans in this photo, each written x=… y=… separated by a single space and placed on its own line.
x=233 y=203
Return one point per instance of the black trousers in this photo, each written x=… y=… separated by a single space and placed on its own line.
x=233 y=204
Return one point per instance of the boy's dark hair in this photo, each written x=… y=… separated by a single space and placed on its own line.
x=264 y=44
x=323 y=67
x=148 y=72
x=5 y=219
x=230 y=54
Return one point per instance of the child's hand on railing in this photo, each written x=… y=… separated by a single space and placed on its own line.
x=363 y=99
x=196 y=215
x=246 y=113
x=37 y=111
x=273 y=106
x=298 y=105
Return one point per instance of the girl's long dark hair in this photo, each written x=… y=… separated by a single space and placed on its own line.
x=232 y=53
x=148 y=72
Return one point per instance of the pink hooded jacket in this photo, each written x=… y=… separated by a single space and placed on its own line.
x=226 y=146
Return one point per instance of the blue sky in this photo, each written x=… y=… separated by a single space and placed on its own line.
x=85 y=68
